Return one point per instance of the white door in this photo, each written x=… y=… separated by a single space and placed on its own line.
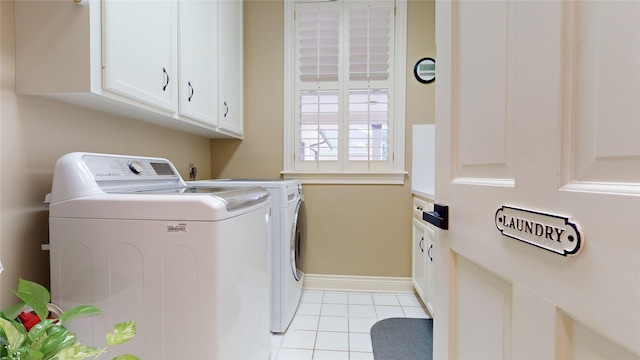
x=538 y=108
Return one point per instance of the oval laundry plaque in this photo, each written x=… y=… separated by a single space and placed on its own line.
x=550 y=232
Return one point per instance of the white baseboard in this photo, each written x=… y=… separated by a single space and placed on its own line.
x=357 y=283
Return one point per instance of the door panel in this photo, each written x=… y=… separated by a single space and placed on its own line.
x=537 y=108
x=580 y=342
x=603 y=91
x=533 y=316
x=483 y=305
x=482 y=136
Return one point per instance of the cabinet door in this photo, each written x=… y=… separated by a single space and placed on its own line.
x=419 y=250
x=198 y=54
x=429 y=237
x=231 y=66
x=139 y=51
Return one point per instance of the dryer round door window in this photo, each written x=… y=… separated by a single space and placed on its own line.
x=295 y=243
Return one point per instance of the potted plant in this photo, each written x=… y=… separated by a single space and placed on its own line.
x=29 y=330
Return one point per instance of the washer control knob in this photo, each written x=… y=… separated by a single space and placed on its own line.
x=135 y=167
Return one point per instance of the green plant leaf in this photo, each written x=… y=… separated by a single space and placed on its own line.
x=34 y=289
x=53 y=352
x=126 y=357
x=34 y=295
x=122 y=332
x=55 y=336
x=82 y=310
x=35 y=303
x=13 y=311
x=27 y=353
x=39 y=331
x=56 y=329
x=79 y=352
x=16 y=334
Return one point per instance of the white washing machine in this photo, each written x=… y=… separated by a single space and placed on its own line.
x=286 y=239
x=187 y=265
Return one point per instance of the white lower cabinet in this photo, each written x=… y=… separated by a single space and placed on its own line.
x=428 y=269
x=422 y=254
x=418 y=267
x=157 y=61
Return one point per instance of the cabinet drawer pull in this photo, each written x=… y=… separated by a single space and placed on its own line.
x=190 y=91
x=166 y=79
x=429 y=252
x=420 y=244
x=226 y=109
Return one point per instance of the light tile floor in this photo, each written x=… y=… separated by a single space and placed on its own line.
x=335 y=324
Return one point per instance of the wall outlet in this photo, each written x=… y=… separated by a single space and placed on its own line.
x=193 y=171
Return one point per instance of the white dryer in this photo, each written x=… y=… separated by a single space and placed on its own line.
x=188 y=266
x=287 y=237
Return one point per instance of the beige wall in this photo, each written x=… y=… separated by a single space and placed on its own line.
x=33 y=133
x=352 y=229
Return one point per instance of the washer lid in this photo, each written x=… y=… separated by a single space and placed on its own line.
x=284 y=192
x=235 y=198
x=190 y=205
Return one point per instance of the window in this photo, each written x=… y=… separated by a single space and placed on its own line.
x=344 y=91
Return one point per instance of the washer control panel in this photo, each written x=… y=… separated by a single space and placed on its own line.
x=105 y=168
x=136 y=167
x=80 y=174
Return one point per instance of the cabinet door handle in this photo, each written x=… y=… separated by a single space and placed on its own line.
x=190 y=91
x=226 y=109
x=429 y=252
x=420 y=244
x=166 y=79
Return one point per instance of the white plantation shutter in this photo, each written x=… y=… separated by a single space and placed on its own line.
x=319 y=44
x=344 y=85
x=318 y=58
x=368 y=125
x=370 y=41
x=370 y=47
x=319 y=120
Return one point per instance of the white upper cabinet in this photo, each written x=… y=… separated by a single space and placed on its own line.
x=156 y=61
x=231 y=67
x=140 y=51
x=198 y=52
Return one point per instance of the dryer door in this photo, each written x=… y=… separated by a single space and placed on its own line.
x=296 y=239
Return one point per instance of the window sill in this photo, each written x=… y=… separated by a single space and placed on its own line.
x=349 y=178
